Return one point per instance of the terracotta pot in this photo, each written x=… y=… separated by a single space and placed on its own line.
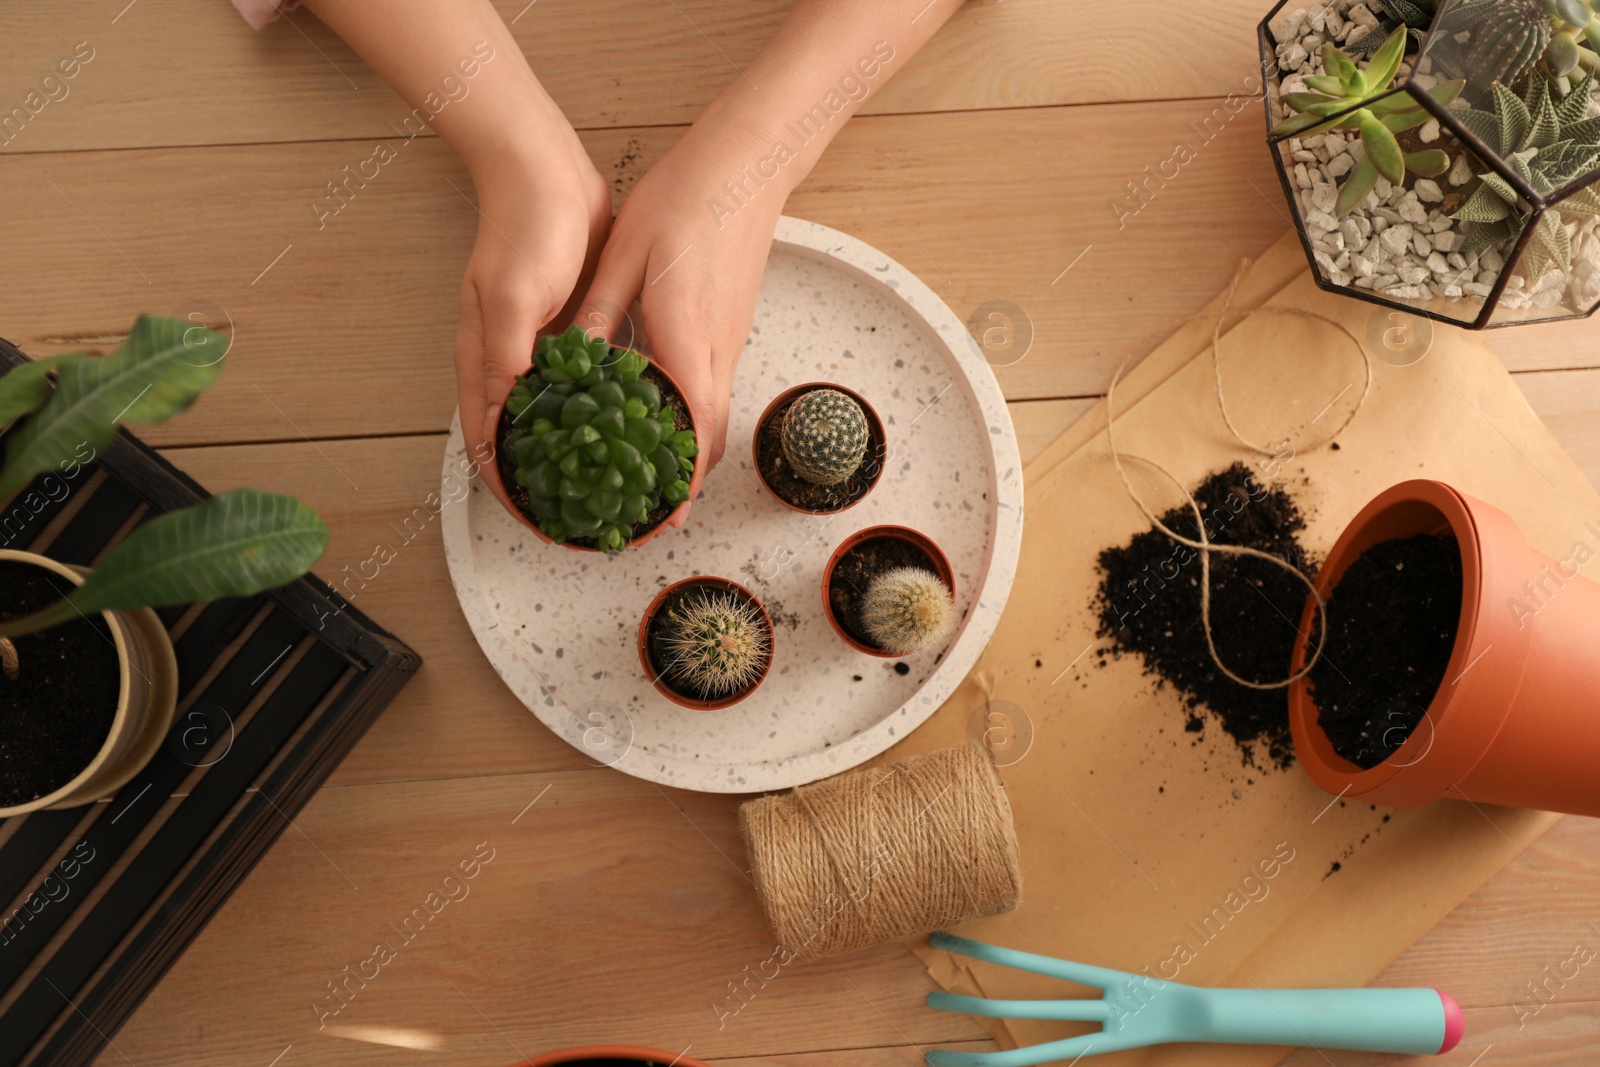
x=878 y=457
x=145 y=702
x=1515 y=721
x=941 y=567
x=626 y=1053
x=660 y=683
x=497 y=485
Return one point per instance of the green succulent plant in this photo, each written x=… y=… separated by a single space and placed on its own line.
x=1344 y=87
x=1393 y=14
x=593 y=444
x=234 y=544
x=716 y=642
x=1547 y=144
x=907 y=608
x=824 y=436
x=1509 y=38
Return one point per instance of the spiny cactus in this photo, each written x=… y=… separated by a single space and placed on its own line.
x=1507 y=41
x=717 y=642
x=1344 y=86
x=907 y=608
x=1547 y=144
x=592 y=442
x=824 y=436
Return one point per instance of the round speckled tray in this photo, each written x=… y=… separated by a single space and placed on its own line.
x=560 y=626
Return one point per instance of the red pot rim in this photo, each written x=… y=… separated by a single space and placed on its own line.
x=649 y=614
x=873 y=421
x=617 y=1052
x=1452 y=736
x=941 y=565
x=498 y=488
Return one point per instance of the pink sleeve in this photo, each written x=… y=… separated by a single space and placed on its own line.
x=260 y=12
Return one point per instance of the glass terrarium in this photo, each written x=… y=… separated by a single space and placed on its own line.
x=1439 y=155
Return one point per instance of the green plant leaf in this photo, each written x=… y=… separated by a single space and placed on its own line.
x=1514 y=119
x=1428 y=163
x=1382 y=148
x=23 y=388
x=1487 y=204
x=1550 y=236
x=235 y=544
x=1546 y=127
x=156 y=373
x=1337 y=63
x=1585 y=201
x=1385 y=61
x=1483 y=125
x=1356 y=187
x=1575 y=105
x=1326 y=84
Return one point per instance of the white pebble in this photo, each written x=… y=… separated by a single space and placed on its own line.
x=1429 y=132
x=1491 y=260
x=1412 y=274
x=1321 y=221
x=1478 y=289
x=1457 y=260
x=1438 y=264
x=1452 y=292
x=1428 y=191
x=1421 y=246
x=1460 y=171
x=1411 y=209
x=1352 y=234
x=1324 y=196
x=1396 y=238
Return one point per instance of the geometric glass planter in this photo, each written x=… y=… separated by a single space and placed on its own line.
x=1445 y=168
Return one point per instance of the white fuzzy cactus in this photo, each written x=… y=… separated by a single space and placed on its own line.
x=907 y=608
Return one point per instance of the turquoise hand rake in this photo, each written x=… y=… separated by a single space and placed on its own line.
x=1137 y=1010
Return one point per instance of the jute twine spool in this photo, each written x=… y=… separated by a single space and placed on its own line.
x=884 y=853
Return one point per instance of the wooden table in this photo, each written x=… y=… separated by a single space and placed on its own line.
x=179 y=173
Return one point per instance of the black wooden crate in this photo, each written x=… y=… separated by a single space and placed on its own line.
x=274 y=690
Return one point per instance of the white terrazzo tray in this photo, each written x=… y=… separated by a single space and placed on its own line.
x=560 y=627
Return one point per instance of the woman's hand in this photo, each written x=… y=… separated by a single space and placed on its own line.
x=543 y=216
x=695 y=272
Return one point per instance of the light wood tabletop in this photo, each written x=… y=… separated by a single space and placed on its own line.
x=179 y=173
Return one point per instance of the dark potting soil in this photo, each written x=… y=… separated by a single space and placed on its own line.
x=661 y=658
x=854 y=573
x=507 y=465
x=57 y=714
x=1392 y=623
x=808 y=496
x=1149 y=603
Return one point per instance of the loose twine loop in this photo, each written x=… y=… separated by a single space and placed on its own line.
x=884 y=853
x=1204 y=546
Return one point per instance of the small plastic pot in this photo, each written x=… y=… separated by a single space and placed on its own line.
x=941 y=567
x=1515 y=720
x=877 y=444
x=608 y=1053
x=500 y=469
x=693 y=703
x=146 y=700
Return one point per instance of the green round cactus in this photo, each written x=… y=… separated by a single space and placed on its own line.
x=824 y=436
x=592 y=442
x=717 y=643
x=906 y=609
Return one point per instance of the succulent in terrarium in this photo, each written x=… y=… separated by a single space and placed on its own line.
x=593 y=443
x=716 y=643
x=1344 y=86
x=1413 y=15
x=907 y=608
x=1508 y=39
x=824 y=436
x=1547 y=143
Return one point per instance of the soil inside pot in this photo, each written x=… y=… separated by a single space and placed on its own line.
x=1392 y=623
x=57 y=714
x=795 y=490
x=847 y=587
x=661 y=656
x=1149 y=603
x=670 y=397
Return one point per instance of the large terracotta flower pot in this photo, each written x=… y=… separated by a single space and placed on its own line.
x=1517 y=718
x=611 y=1054
x=147 y=697
x=494 y=477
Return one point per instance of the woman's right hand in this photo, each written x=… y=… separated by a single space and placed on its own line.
x=544 y=213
